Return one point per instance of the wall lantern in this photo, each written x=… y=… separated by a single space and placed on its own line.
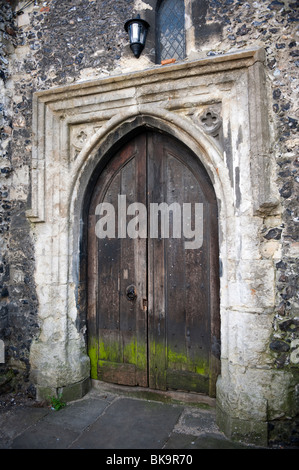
x=137 y=30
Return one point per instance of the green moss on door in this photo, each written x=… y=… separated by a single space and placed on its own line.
x=131 y=353
x=164 y=363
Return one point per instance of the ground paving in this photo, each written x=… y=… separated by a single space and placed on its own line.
x=113 y=418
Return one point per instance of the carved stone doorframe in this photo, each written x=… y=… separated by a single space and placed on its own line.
x=218 y=108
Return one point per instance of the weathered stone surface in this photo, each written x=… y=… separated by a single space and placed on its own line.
x=254 y=164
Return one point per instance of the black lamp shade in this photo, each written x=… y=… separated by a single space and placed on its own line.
x=137 y=30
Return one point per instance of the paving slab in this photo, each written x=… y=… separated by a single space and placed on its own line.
x=44 y=435
x=77 y=415
x=197 y=421
x=14 y=422
x=130 y=423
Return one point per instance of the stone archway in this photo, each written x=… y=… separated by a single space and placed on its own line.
x=76 y=126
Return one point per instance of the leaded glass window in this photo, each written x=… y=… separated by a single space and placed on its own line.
x=171 y=30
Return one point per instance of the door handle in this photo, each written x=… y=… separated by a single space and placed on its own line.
x=131 y=293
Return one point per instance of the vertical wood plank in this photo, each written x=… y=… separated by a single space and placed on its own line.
x=156 y=269
x=141 y=270
x=108 y=304
x=118 y=323
x=175 y=271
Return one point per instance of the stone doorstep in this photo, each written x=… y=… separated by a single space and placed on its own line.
x=80 y=389
x=169 y=396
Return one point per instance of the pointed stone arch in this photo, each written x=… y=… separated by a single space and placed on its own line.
x=101 y=147
x=108 y=138
x=92 y=162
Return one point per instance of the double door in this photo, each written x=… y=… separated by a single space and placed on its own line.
x=153 y=316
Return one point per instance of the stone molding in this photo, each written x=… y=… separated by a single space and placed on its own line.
x=181 y=88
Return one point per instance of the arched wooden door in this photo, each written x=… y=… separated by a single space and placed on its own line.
x=153 y=305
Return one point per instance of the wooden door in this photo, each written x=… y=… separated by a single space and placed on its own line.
x=153 y=306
